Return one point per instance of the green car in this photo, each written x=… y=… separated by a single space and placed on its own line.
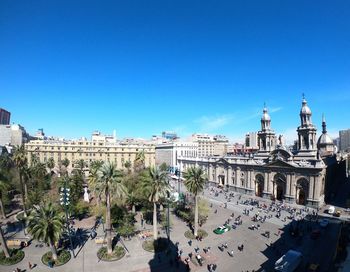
x=222 y=229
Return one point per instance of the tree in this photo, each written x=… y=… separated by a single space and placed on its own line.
x=163 y=167
x=109 y=185
x=194 y=182
x=45 y=223
x=3 y=243
x=4 y=185
x=139 y=163
x=20 y=160
x=65 y=162
x=127 y=165
x=155 y=187
x=51 y=164
x=80 y=165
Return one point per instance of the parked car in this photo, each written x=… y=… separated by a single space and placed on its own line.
x=331 y=210
x=221 y=229
x=337 y=213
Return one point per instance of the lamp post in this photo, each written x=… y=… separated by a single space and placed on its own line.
x=64 y=200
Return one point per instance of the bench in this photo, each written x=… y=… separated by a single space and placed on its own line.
x=100 y=241
x=16 y=243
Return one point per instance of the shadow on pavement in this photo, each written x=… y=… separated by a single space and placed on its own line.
x=318 y=242
x=166 y=259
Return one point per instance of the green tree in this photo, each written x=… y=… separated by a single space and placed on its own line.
x=80 y=165
x=20 y=160
x=155 y=187
x=3 y=243
x=51 y=164
x=127 y=165
x=65 y=162
x=139 y=163
x=194 y=182
x=45 y=223
x=4 y=185
x=109 y=185
x=164 y=167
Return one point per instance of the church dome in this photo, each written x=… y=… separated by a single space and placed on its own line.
x=305 y=108
x=325 y=139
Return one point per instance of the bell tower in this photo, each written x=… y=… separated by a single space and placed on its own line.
x=266 y=136
x=307 y=145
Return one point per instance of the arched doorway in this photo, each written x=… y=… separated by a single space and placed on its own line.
x=302 y=189
x=259 y=185
x=279 y=182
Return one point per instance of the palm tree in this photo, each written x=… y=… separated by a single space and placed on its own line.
x=20 y=160
x=3 y=189
x=51 y=164
x=3 y=243
x=45 y=223
x=109 y=185
x=80 y=165
x=127 y=165
x=155 y=187
x=194 y=182
x=65 y=162
x=93 y=182
x=95 y=165
x=139 y=163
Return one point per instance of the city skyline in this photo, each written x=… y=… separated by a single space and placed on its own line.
x=144 y=69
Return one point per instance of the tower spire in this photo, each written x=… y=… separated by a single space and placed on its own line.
x=324 y=125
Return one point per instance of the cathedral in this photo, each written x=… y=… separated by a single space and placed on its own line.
x=275 y=172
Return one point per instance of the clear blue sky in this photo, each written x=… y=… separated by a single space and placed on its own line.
x=142 y=67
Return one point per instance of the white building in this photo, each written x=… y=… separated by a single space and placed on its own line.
x=169 y=152
x=13 y=135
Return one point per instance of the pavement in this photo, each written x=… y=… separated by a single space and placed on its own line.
x=257 y=251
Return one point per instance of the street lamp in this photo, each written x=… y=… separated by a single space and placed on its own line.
x=64 y=200
x=178 y=174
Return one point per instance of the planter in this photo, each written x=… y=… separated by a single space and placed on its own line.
x=155 y=246
x=117 y=254
x=63 y=257
x=17 y=255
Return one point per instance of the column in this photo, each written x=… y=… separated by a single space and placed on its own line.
x=293 y=185
x=317 y=186
x=266 y=181
x=311 y=187
x=210 y=172
x=288 y=185
x=229 y=175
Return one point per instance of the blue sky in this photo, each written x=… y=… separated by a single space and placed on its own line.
x=142 y=67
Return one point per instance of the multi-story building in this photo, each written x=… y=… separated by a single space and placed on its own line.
x=273 y=172
x=169 y=152
x=117 y=152
x=13 y=135
x=4 y=117
x=209 y=146
x=344 y=140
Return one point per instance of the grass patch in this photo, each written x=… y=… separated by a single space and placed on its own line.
x=201 y=233
x=16 y=255
x=63 y=256
x=155 y=246
x=116 y=255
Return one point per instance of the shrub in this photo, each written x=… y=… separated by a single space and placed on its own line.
x=117 y=254
x=63 y=256
x=201 y=233
x=16 y=255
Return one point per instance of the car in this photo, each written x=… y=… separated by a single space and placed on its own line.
x=337 y=213
x=331 y=210
x=324 y=223
x=221 y=229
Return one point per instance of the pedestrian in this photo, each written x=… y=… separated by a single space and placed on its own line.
x=30 y=266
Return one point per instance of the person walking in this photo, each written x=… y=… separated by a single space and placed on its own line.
x=30 y=266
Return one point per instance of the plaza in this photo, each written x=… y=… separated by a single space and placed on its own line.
x=259 y=253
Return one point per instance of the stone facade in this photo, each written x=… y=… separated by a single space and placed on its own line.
x=273 y=172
